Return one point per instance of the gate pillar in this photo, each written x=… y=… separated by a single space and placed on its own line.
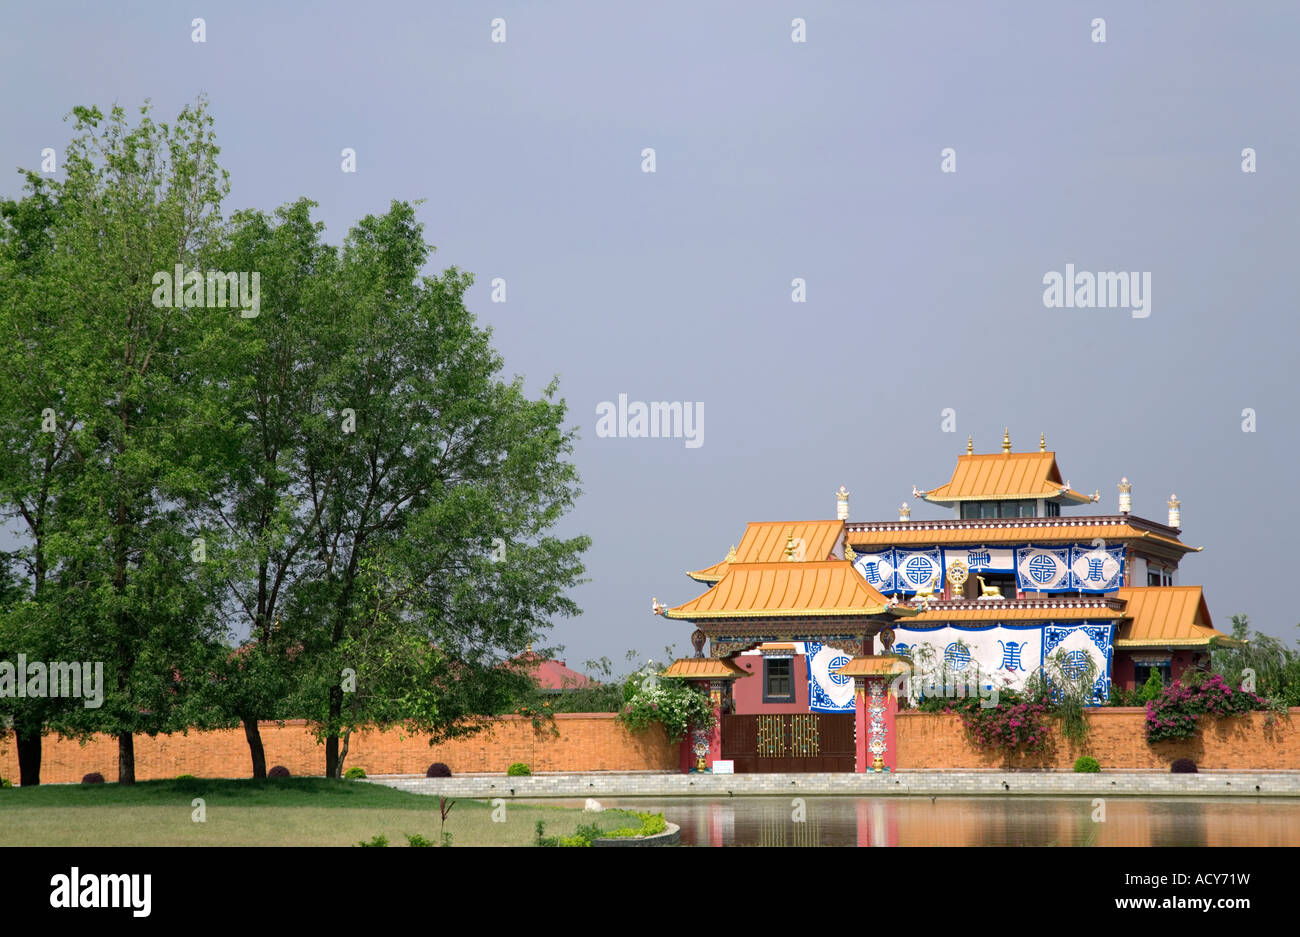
x=875 y=704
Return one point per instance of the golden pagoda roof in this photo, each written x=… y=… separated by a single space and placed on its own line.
x=990 y=532
x=820 y=588
x=874 y=666
x=1003 y=476
x=766 y=542
x=712 y=668
x=1167 y=616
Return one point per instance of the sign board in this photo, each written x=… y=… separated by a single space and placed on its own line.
x=724 y=767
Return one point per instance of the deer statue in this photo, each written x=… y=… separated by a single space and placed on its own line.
x=987 y=591
x=926 y=592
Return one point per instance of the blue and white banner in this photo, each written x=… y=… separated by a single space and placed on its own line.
x=915 y=569
x=981 y=559
x=878 y=570
x=828 y=692
x=1097 y=569
x=1078 y=643
x=1043 y=569
x=1007 y=655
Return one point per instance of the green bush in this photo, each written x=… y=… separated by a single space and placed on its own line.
x=186 y=777
x=354 y=773
x=651 y=824
x=379 y=840
x=1152 y=689
x=4 y=782
x=415 y=839
x=518 y=770
x=1087 y=765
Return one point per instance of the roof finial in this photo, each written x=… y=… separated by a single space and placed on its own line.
x=1042 y=442
x=970 y=445
x=1006 y=439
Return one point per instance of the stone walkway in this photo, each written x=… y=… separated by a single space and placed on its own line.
x=908 y=783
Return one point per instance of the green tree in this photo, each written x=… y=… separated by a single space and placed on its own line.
x=149 y=437
x=424 y=466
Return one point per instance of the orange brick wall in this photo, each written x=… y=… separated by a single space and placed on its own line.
x=587 y=742
x=937 y=742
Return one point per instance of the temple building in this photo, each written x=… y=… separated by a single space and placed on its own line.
x=831 y=618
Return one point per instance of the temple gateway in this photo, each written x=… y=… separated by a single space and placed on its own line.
x=814 y=627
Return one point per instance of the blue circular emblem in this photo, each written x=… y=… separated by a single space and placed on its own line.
x=836 y=663
x=1075 y=663
x=920 y=569
x=1042 y=568
x=956 y=656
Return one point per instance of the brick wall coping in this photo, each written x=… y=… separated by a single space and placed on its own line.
x=904 y=783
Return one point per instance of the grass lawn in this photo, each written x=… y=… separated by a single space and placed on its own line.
x=283 y=812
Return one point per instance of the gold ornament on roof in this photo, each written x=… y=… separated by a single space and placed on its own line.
x=850 y=554
x=1006 y=439
x=842 y=494
x=970 y=445
x=1042 y=442
x=731 y=555
x=789 y=546
x=957 y=574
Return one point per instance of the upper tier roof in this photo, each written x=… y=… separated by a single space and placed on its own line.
x=1167 y=616
x=767 y=541
x=785 y=589
x=1002 y=476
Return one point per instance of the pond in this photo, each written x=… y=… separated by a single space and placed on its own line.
x=975 y=821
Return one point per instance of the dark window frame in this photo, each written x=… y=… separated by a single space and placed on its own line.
x=768 y=696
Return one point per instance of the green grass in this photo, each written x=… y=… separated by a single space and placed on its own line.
x=286 y=812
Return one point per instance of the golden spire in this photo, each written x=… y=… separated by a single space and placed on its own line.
x=1042 y=442
x=731 y=555
x=970 y=445
x=850 y=554
x=789 y=545
x=1006 y=440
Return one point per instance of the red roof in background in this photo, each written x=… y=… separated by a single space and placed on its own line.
x=552 y=674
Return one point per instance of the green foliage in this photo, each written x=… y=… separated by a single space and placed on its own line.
x=648 y=824
x=415 y=839
x=354 y=773
x=5 y=782
x=185 y=777
x=541 y=832
x=1152 y=689
x=377 y=841
x=1175 y=713
x=519 y=769
x=1086 y=765
x=676 y=706
x=1273 y=667
x=1017 y=724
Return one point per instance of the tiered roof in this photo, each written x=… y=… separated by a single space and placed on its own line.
x=784 y=589
x=767 y=541
x=1005 y=476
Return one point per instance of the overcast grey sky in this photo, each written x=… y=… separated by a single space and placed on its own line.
x=776 y=160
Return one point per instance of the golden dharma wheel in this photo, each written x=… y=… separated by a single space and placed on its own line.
x=957 y=573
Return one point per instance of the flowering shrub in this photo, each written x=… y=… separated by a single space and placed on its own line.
x=674 y=706
x=1173 y=714
x=1016 y=724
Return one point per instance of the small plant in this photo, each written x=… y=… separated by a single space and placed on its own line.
x=4 y=782
x=93 y=778
x=355 y=773
x=279 y=771
x=438 y=770
x=446 y=839
x=444 y=808
x=186 y=777
x=380 y=840
x=518 y=770
x=1183 y=766
x=1087 y=765
x=1152 y=689
x=415 y=839
x=541 y=832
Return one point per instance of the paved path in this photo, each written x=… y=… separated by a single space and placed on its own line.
x=928 y=783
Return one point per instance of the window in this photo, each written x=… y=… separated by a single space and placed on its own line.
x=1016 y=509
x=980 y=510
x=778 y=680
x=1159 y=577
x=1142 y=673
x=1053 y=509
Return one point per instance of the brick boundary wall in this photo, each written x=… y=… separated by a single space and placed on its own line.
x=597 y=742
x=587 y=742
x=1116 y=738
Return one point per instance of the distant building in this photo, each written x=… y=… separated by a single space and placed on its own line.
x=552 y=676
x=826 y=615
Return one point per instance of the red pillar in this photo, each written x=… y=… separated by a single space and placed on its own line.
x=881 y=707
x=860 y=763
x=716 y=689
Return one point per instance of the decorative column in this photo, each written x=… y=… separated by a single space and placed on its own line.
x=859 y=725
x=875 y=705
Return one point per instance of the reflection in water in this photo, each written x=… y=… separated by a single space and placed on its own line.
x=977 y=821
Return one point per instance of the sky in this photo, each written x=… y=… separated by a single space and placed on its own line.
x=776 y=160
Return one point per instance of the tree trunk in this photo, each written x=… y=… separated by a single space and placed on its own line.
x=332 y=742
x=28 y=743
x=125 y=758
x=343 y=755
x=254 y=736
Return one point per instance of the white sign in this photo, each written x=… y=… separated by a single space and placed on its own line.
x=724 y=767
